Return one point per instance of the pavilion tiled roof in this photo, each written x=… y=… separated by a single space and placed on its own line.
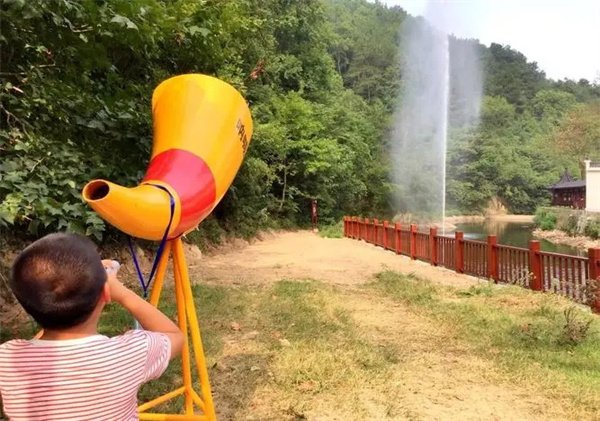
x=567 y=182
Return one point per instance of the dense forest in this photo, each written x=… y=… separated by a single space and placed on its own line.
x=323 y=81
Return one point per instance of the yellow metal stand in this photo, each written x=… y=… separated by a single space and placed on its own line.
x=188 y=323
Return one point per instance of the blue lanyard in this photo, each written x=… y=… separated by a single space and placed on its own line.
x=146 y=284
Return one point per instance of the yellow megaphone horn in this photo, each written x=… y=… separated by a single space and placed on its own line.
x=202 y=128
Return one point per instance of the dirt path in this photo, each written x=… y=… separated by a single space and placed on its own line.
x=305 y=255
x=438 y=380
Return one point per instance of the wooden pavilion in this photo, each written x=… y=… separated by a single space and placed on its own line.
x=568 y=192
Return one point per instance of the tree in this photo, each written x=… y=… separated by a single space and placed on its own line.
x=509 y=74
x=322 y=78
x=578 y=135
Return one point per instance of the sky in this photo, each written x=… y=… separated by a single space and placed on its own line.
x=562 y=36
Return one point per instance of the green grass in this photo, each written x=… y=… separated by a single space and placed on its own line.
x=296 y=309
x=332 y=231
x=306 y=344
x=536 y=337
x=327 y=353
x=10 y=331
x=409 y=289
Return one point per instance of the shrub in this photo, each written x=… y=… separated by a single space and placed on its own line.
x=209 y=233
x=592 y=229
x=572 y=223
x=332 y=231
x=545 y=219
x=576 y=327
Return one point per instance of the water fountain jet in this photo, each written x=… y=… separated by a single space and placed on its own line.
x=440 y=79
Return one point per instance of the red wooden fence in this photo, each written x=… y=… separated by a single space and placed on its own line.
x=532 y=268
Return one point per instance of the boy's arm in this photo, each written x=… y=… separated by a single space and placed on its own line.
x=146 y=314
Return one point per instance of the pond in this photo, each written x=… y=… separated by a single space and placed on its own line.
x=515 y=234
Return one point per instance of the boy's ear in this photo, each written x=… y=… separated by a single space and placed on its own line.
x=106 y=293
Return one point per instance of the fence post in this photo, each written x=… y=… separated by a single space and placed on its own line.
x=348 y=226
x=535 y=266
x=367 y=230
x=459 y=258
x=375 y=231
x=492 y=257
x=413 y=241
x=385 y=235
x=433 y=246
x=397 y=236
x=363 y=229
x=594 y=275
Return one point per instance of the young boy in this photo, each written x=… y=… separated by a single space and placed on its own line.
x=71 y=372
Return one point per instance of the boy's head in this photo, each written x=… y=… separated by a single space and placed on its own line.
x=58 y=280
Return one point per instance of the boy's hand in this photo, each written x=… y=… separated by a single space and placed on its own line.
x=117 y=289
x=111 y=266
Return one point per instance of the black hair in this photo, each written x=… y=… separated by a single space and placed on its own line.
x=58 y=280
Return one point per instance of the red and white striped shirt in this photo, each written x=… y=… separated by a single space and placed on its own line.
x=92 y=378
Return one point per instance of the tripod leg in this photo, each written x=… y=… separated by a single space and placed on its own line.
x=185 y=353
x=180 y=264
x=160 y=275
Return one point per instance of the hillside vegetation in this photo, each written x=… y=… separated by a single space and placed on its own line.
x=322 y=78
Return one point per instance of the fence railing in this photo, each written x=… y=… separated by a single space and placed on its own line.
x=530 y=267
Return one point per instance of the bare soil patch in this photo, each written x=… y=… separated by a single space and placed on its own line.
x=305 y=255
